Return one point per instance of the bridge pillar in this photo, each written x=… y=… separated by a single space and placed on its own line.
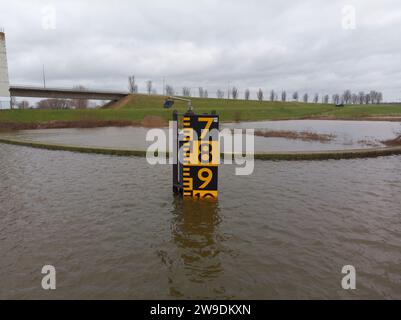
x=5 y=100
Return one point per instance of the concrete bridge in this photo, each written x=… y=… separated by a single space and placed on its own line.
x=7 y=91
x=58 y=93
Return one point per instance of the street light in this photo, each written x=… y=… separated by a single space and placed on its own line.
x=169 y=102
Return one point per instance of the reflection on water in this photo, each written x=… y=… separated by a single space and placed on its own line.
x=350 y=135
x=195 y=233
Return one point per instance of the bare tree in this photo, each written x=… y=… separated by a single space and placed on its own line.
x=201 y=92
x=205 y=94
x=169 y=90
x=80 y=103
x=65 y=103
x=55 y=104
x=316 y=98
x=234 y=93
x=373 y=96
x=368 y=98
x=247 y=94
x=305 y=98
x=24 y=104
x=186 y=92
x=149 y=86
x=336 y=98
x=376 y=96
x=347 y=95
x=295 y=96
x=354 y=98
x=42 y=105
x=132 y=86
x=361 y=97
x=260 y=95
x=379 y=98
x=219 y=94
x=326 y=98
x=272 y=96
x=13 y=102
x=284 y=96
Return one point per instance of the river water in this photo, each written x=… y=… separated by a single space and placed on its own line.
x=348 y=135
x=112 y=229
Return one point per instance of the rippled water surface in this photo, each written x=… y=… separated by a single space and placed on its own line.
x=112 y=228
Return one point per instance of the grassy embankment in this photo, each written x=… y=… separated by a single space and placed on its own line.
x=140 y=106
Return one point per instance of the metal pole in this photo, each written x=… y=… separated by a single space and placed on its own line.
x=44 y=76
x=175 y=152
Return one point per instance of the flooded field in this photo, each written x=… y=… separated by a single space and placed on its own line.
x=348 y=135
x=113 y=229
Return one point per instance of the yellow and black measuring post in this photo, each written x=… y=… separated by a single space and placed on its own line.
x=196 y=155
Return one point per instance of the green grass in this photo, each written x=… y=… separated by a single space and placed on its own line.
x=35 y=116
x=229 y=110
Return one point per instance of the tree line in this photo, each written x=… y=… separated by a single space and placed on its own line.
x=54 y=103
x=347 y=97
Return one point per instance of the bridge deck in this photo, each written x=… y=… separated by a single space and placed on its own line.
x=36 y=92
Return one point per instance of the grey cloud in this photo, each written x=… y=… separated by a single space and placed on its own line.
x=292 y=45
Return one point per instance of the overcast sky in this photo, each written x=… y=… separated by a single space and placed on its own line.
x=310 y=46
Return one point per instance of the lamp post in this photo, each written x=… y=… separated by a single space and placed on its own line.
x=170 y=101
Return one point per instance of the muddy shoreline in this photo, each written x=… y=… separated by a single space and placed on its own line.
x=368 y=118
x=66 y=124
x=393 y=142
x=149 y=121
x=272 y=156
x=295 y=135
